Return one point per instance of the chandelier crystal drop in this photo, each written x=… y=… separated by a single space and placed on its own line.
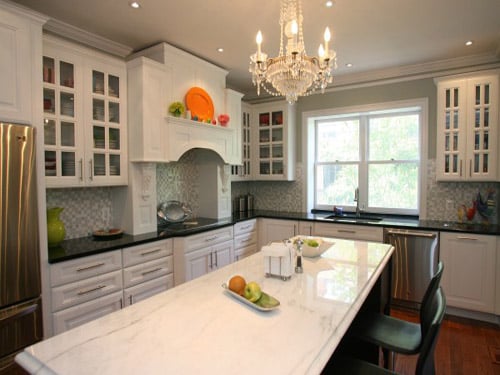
x=292 y=73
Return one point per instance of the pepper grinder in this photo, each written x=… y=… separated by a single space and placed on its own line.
x=298 y=267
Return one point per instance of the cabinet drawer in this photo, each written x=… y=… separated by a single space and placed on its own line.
x=350 y=232
x=143 y=253
x=245 y=240
x=86 y=312
x=148 y=289
x=245 y=227
x=244 y=252
x=82 y=268
x=208 y=238
x=147 y=271
x=85 y=290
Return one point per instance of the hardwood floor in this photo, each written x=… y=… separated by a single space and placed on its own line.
x=463 y=347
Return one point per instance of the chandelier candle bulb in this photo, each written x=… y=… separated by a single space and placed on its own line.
x=327 y=39
x=258 y=39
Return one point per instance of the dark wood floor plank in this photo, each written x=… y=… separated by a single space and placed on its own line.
x=462 y=347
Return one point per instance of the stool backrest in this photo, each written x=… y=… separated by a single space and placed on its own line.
x=432 y=319
x=429 y=296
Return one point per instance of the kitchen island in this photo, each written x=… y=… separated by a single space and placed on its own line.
x=198 y=327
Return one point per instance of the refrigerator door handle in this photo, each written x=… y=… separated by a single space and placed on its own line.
x=16 y=314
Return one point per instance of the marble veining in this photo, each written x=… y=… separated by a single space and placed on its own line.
x=197 y=327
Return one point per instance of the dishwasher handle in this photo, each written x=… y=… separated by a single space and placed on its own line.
x=411 y=233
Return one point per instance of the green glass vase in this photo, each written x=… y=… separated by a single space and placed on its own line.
x=55 y=227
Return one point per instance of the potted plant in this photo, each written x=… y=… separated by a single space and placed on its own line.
x=176 y=109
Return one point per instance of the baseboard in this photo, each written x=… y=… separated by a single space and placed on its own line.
x=474 y=315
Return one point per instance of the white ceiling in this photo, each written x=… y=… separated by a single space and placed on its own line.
x=372 y=35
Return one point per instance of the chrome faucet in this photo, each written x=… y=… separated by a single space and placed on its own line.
x=356 y=199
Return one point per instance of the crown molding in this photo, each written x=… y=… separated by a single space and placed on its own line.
x=75 y=34
x=23 y=11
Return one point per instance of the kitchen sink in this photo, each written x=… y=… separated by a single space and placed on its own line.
x=352 y=218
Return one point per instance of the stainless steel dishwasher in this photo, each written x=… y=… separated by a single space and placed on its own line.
x=414 y=263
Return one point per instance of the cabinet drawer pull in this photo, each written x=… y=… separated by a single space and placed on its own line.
x=81 y=169
x=466 y=238
x=87 y=291
x=216 y=265
x=89 y=267
x=130 y=299
x=91 y=176
x=150 y=252
x=246 y=226
x=210 y=239
x=346 y=231
x=151 y=271
x=246 y=240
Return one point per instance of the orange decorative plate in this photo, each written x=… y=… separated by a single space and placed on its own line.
x=200 y=104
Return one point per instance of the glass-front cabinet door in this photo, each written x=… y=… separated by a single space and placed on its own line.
x=483 y=118
x=106 y=138
x=63 y=131
x=275 y=129
x=467 y=129
x=244 y=171
x=84 y=116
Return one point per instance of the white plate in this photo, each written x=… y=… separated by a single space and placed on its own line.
x=272 y=304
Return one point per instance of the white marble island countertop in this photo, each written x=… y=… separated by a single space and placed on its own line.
x=197 y=327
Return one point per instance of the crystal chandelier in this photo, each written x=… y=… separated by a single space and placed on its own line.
x=292 y=73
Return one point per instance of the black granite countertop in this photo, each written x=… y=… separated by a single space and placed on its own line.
x=85 y=246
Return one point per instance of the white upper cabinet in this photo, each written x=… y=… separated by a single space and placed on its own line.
x=243 y=171
x=20 y=43
x=85 y=118
x=163 y=74
x=274 y=146
x=467 y=128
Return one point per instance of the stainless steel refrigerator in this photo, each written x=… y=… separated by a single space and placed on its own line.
x=20 y=289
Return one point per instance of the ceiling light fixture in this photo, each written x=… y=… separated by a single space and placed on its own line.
x=468 y=43
x=329 y=4
x=135 y=5
x=348 y=65
x=292 y=73
x=220 y=49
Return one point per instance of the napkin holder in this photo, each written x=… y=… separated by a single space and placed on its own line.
x=278 y=260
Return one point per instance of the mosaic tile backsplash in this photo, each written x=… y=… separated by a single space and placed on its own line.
x=86 y=209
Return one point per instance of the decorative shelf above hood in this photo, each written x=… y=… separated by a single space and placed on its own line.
x=183 y=135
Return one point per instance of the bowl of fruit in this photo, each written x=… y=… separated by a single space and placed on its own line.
x=312 y=246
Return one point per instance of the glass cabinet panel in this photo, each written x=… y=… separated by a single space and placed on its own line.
x=67 y=104
x=114 y=139
x=113 y=86
x=67 y=134
x=68 y=164
x=97 y=82
x=48 y=69
x=114 y=112
x=66 y=74
x=99 y=137
x=49 y=132
x=99 y=164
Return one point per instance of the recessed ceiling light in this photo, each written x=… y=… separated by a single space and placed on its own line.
x=329 y=4
x=348 y=65
x=220 y=49
x=135 y=4
x=468 y=43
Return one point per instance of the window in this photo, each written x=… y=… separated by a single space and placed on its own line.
x=377 y=150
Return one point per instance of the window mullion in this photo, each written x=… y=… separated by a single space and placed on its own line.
x=363 y=162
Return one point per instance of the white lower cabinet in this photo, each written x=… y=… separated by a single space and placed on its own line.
x=276 y=230
x=469 y=270
x=83 y=313
x=245 y=239
x=201 y=253
x=349 y=232
x=87 y=288
x=148 y=270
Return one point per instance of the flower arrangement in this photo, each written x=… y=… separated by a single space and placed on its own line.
x=223 y=119
x=176 y=109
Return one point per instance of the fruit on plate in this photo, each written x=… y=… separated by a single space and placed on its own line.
x=252 y=291
x=237 y=284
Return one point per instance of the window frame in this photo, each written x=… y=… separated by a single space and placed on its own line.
x=419 y=105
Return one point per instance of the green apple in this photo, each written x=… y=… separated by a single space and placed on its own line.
x=252 y=291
